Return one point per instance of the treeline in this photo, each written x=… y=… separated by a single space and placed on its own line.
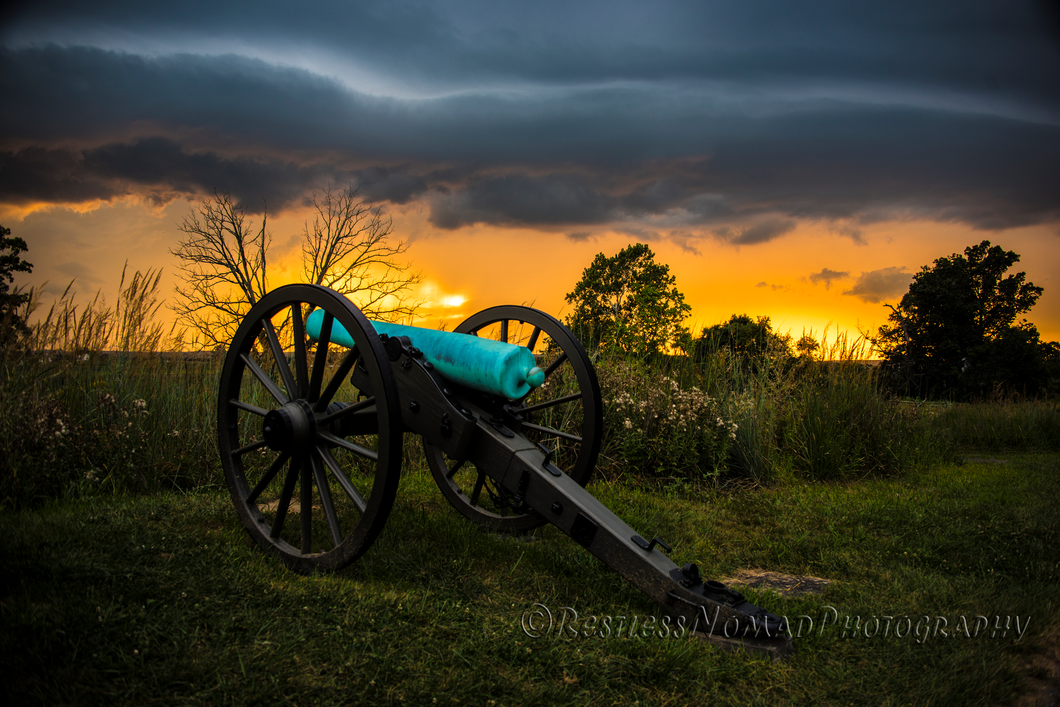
x=957 y=334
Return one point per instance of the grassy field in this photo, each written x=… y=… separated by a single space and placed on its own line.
x=161 y=599
x=125 y=577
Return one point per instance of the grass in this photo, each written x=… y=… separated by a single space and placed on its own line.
x=1008 y=425
x=162 y=599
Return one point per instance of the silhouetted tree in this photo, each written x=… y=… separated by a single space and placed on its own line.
x=957 y=330
x=12 y=322
x=807 y=346
x=629 y=303
x=349 y=249
x=224 y=262
x=751 y=340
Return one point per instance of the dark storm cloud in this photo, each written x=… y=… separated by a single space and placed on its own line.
x=155 y=167
x=980 y=44
x=853 y=234
x=878 y=285
x=763 y=232
x=688 y=119
x=397 y=185
x=518 y=199
x=827 y=276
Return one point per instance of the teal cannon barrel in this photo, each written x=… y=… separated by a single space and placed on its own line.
x=481 y=364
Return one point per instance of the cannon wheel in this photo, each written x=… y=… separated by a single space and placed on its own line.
x=564 y=415
x=290 y=417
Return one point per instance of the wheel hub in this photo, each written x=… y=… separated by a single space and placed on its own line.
x=289 y=428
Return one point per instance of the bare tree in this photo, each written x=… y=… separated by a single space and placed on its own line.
x=348 y=248
x=223 y=263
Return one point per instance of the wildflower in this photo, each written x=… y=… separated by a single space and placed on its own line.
x=628 y=424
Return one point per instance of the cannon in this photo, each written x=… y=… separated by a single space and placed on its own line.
x=315 y=399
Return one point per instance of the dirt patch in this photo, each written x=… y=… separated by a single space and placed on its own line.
x=783 y=584
x=1041 y=687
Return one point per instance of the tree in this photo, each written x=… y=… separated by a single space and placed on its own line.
x=807 y=346
x=224 y=262
x=956 y=330
x=629 y=303
x=751 y=340
x=349 y=250
x=11 y=319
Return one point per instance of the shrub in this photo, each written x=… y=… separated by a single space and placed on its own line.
x=661 y=429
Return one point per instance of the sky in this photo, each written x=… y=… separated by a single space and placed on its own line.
x=793 y=160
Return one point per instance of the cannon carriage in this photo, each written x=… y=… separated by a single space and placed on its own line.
x=314 y=402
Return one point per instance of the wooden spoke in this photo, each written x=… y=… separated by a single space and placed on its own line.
x=305 y=507
x=248 y=407
x=477 y=491
x=281 y=359
x=350 y=446
x=320 y=359
x=264 y=379
x=552 y=403
x=252 y=497
x=550 y=431
x=532 y=342
x=348 y=410
x=249 y=448
x=455 y=468
x=344 y=482
x=301 y=361
x=347 y=364
x=555 y=364
x=285 y=500
x=325 y=500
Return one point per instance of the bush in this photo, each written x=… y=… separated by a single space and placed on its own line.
x=659 y=428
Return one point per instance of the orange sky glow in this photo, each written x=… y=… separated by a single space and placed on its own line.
x=475 y=267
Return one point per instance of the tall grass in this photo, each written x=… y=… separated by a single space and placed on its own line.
x=93 y=401
x=822 y=416
x=842 y=425
x=1001 y=425
x=96 y=398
